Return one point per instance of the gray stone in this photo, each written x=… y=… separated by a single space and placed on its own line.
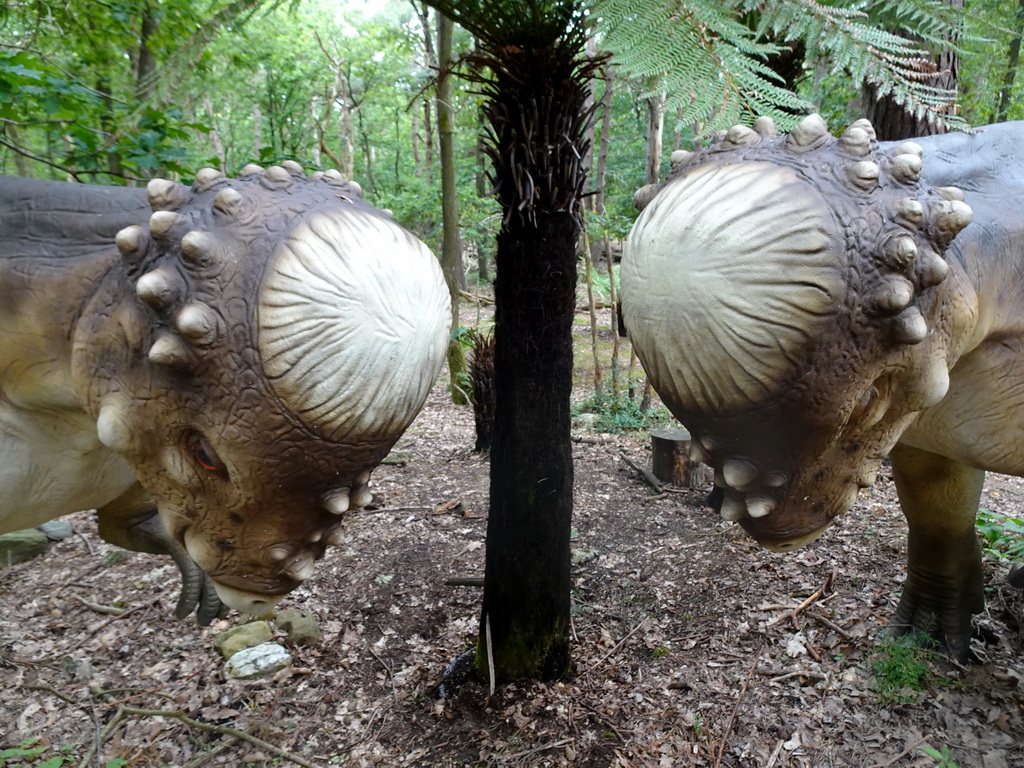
x=258 y=661
x=56 y=530
x=581 y=556
x=19 y=546
x=301 y=626
x=245 y=636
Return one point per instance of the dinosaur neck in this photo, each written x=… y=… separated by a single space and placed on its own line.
x=43 y=300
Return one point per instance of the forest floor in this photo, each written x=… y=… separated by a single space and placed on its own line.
x=692 y=646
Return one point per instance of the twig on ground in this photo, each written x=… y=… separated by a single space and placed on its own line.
x=206 y=757
x=794 y=612
x=735 y=709
x=52 y=691
x=830 y=624
x=88 y=544
x=902 y=754
x=775 y=754
x=124 y=713
x=541 y=748
x=603 y=659
x=603 y=718
x=379 y=510
x=475 y=299
x=110 y=610
x=646 y=474
x=465 y=581
x=592 y=440
x=448 y=506
x=88 y=636
x=388 y=670
x=149 y=692
x=788 y=675
x=490 y=655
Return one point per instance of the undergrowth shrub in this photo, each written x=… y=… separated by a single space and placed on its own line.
x=618 y=412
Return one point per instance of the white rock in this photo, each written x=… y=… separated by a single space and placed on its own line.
x=260 y=660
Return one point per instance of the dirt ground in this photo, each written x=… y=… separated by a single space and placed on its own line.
x=688 y=646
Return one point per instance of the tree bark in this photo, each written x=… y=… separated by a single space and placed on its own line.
x=537 y=124
x=257 y=129
x=451 y=245
x=430 y=61
x=606 y=127
x=145 y=71
x=655 y=134
x=527 y=583
x=892 y=121
x=218 y=145
x=1012 y=59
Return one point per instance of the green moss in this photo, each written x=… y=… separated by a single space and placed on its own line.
x=521 y=657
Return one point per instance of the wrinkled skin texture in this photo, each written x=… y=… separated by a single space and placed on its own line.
x=807 y=305
x=215 y=369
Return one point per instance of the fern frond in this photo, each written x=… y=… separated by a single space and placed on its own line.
x=712 y=62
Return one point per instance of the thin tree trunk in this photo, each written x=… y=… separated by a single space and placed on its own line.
x=589 y=265
x=20 y=165
x=257 y=129
x=316 y=122
x=371 y=184
x=451 y=246
x=482 y=259
x=655 y=133
x=606 y=127
x=430 y=60
x=1012 y=59
x=414 y=135
x=588 y=158
x=218 y=145
x=614 y=296
x=145 y=74
x=677 y=132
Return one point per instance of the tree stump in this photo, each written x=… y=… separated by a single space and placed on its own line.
x=670 y=459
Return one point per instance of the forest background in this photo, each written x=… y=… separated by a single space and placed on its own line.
x=125 y=91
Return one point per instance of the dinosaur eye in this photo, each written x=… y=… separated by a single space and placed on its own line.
x=864 y=406
x=205 y=456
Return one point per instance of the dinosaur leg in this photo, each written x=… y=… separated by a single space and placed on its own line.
x=131 y=521
x=944 y=579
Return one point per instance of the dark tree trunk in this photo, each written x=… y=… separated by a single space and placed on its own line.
x=481 y=378
x=892 y=121
x=145 y=75
x=526 y=596
x=537 y=118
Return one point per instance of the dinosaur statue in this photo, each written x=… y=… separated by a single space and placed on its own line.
x=216 y=369
x=808 y=304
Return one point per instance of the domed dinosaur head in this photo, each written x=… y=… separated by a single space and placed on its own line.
x=788 y=298
x=266 y=342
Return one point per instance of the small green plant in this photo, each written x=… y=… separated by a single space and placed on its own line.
x=19 y=753
x=1002 y=536
x=22 y=757
x=116 y=556
x=901 y=670
x=943 y=758
x=698 y=725
x=618 y=412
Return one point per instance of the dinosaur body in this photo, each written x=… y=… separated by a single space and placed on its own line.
x=215 y=369
x=809 y=304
